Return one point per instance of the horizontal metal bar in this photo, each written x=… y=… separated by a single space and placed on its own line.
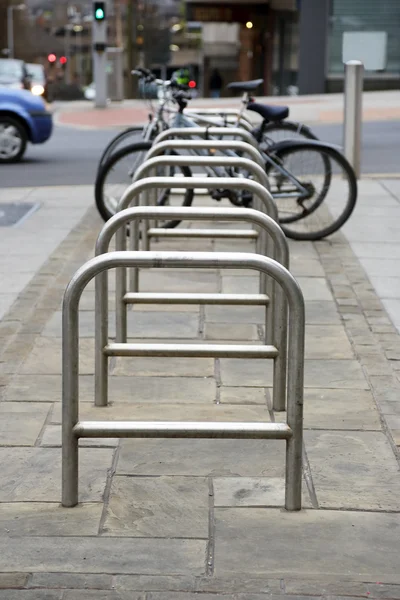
x=175 y=298
x=179 y=429
x=203 y=233
x=192 y=350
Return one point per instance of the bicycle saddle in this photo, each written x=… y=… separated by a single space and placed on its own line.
x=245 y=86
x=269 y=113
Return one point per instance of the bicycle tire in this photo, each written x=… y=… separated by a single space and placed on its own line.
x=328 y=153
x=121 y=154
x=301 y=130
x=121 y=136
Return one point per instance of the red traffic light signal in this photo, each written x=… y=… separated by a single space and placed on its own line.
x=63 y=60
x=192 y=84
x=52 y=58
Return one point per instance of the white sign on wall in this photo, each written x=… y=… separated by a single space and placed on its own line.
x=370 y=47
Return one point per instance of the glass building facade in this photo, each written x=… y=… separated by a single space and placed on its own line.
x=368 y=16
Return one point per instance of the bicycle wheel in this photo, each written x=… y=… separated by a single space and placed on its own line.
x=329 y=190
x=285 y=130
x=121 y=138
x=116 y=175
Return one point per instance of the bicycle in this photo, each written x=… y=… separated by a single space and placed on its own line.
x=274 y=126
x=312 y=183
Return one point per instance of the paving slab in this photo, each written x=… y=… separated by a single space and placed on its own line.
x=49 y=519
x=161 y=507
x=134 y=389
x=340 y=409
x=164 y=367
x=228 y=331
x=21 y=424
x=70 y=580
x=30 y=595
x=105 y=555
x=139 y=324
x=45 y=357
x=34 y=474
x=202 y=457
x=318 y=373
x=174 y=412
x=311 y=543
x=353 y=470
x=253 y=491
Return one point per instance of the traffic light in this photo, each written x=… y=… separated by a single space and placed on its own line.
x=52 y=58
x=99 y=11
x=63 y=60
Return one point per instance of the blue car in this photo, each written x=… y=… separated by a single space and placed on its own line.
x=23 y=119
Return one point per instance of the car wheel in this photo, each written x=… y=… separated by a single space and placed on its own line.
x=13 y=139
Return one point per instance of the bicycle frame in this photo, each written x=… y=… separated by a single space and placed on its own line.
x=182 y=121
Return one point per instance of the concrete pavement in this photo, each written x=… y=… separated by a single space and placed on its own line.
x=170 y=519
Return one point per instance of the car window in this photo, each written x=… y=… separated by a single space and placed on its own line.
x=36 y=72
x=11 y=69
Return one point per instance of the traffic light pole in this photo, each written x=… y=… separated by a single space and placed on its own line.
x=99 y=33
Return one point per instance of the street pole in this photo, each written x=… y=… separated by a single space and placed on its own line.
x=353 y=89
x=99 y=33
x=10 y=31
x=10 y=27
x=67 y=51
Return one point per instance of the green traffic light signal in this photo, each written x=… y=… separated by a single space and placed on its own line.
x=99 y=11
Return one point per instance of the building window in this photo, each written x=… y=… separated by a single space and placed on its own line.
x=367 y=16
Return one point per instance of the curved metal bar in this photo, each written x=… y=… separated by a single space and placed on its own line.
x=197 y=214
x=235 y=183
x=229 y=112
x=231 y=183
x=120 y=219
x=206 y=132
x=202 y=161
x=209 y=119
x=70 y=351
x=235 y=145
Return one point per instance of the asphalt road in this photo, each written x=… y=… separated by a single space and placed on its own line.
x=71 y=156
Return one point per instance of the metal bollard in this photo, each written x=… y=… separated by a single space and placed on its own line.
x=292 y=431
x=353 y=89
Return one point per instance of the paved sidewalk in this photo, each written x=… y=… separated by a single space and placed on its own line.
x=163 y=520
x=324 y=108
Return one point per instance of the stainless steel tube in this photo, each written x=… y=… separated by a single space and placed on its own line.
x=182 y=430
x=220 y=145
x=353 y=90
x=206 y=133
x=70 y=350
x=278 y=328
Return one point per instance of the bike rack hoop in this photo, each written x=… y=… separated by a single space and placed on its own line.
x=206 y=132
x=73 y=429
x=277 y=327
x=184 y=144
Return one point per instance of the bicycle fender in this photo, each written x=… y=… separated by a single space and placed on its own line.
x=301 y=144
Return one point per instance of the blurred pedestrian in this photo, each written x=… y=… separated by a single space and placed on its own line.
x=215 y=84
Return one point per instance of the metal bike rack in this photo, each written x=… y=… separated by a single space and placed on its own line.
x=223 y=112
x=73 y=429
x=118 y=222
x=132 y=194
x=220 y=145
x=195 y=161
x=206 y=133
x=202 y=145
x=213 y=119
